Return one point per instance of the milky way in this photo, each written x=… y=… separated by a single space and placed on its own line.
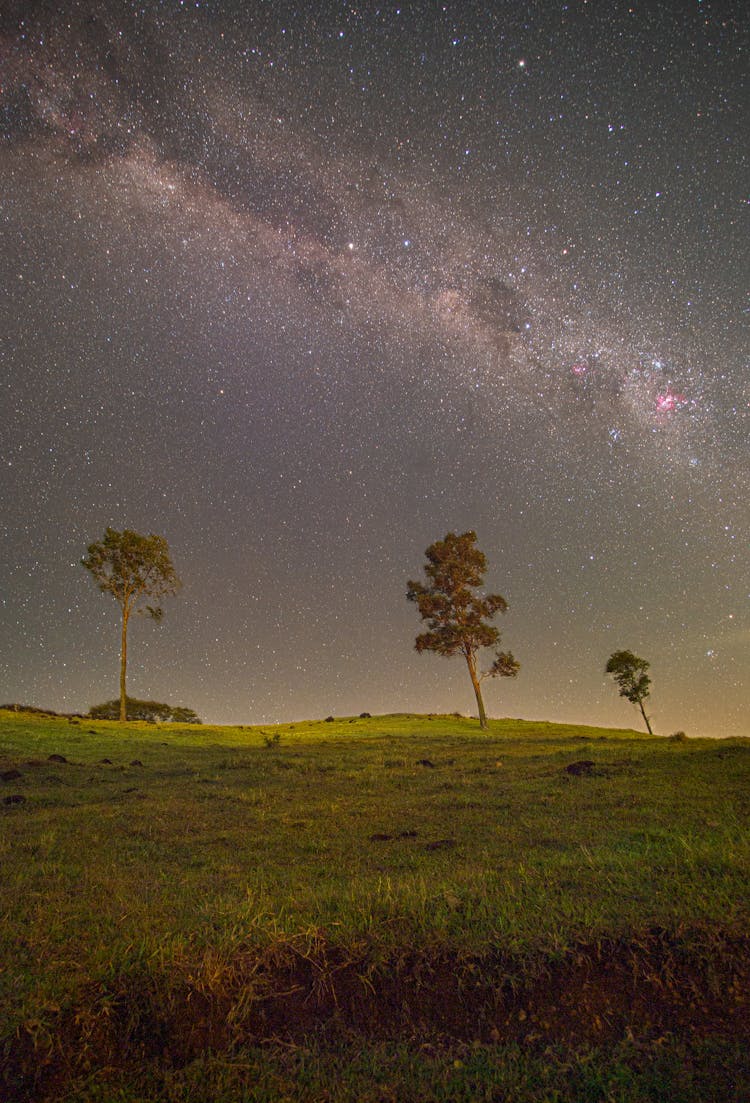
x=303 y=287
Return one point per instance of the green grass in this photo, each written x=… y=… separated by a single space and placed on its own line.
x=222 y=864
x=669 y=1072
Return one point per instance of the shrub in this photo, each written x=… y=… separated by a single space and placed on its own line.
x=30 y=708
x=144 y=710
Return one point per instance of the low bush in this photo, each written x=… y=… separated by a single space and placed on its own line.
x=152 y=711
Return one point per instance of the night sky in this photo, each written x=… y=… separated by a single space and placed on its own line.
x=303 y=287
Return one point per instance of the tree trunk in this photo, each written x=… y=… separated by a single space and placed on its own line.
x=470 y=662
x=123 y=665
x=643 y=711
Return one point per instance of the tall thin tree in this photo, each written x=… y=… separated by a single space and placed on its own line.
x=133 y=568
x=457 y=617
x=631 y=675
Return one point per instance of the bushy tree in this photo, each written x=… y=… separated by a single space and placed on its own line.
x=144 y=710
x=457 y=617
x=182 y=715
x=133 y=568
x=631 y=675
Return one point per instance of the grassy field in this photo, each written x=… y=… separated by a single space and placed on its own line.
x=386 y=908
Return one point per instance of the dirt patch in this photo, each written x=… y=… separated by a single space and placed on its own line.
x=584 y=768
x=594 y=994
x=440 y=844
x=641 y=988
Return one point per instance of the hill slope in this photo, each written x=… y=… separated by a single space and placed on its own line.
x=173 y=891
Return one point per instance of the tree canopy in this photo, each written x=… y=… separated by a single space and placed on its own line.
x=457 y=616
x=133 y=568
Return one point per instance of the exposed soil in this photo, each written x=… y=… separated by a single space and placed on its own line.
x=597 y=994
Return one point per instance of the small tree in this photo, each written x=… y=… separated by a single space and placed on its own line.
x=185 y=716
x=132 y=568
x=457 y=616
x=631 y=675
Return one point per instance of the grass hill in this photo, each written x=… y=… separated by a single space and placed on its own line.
x=372 y=909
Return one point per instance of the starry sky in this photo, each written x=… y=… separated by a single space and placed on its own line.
x=304 y=286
